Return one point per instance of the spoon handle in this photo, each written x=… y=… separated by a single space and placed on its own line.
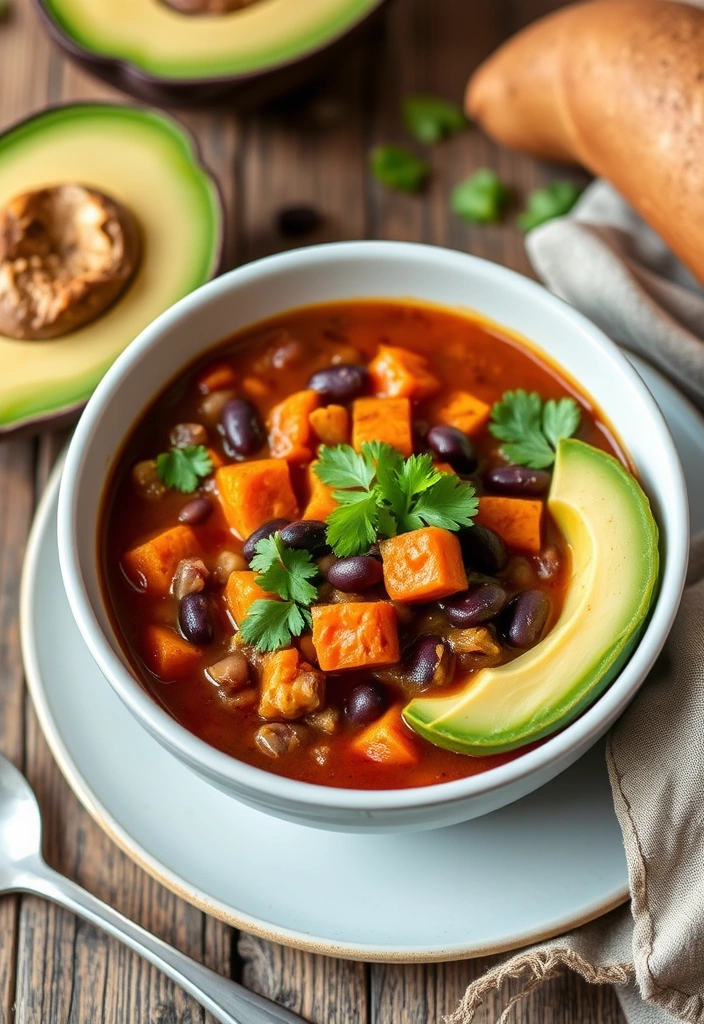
x=227 y=1001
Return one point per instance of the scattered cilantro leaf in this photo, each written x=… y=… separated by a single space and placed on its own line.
x=182 y=468
x=285 y=571
x=402 y=495
x=544 y=204
x=430 y=118
x=270 y=625
x=341 y=466
x=531 y=429
x=481 y=198
x=398 y=168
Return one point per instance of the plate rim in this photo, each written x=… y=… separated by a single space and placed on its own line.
x=134 y=848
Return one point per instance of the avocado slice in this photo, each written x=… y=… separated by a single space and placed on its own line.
x=149 y=164
x=166 y=44
x=606 y=520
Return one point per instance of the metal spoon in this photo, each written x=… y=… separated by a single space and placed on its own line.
x=22 y=869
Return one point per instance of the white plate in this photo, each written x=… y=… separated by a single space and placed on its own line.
x=534 y=869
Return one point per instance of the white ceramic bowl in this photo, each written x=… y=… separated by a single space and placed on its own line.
x=353 y=270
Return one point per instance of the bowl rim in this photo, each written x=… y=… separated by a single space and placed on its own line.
x=266 y=786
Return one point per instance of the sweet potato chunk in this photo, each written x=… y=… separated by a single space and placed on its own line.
x=400 y=373
x=289 y=426
x=252 y=493
x=167 y=654
x=518 y=521
x=423 y=565
x=387 y=741
x=382 y=419
x=290 y=687
x=464 y=411
x=218 y=377
x=355 y=635
x=152 y=565
x=241 y=591
x=331 y=424
x=321 y=502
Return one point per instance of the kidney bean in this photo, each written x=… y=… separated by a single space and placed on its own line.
x=483 y=549
x=453 y=446
x=278 y=738
x=430 y=662
x=249 y=548
x=183 y=435
x=242 y=428
x=196 y=511
x=358 y=572
x=476 y=606
x=190 y=577
x=194 y=619
x=526 y=617
x=226 y=563
x=339 y=383
x=365 y=703
x=306 y=533
x=520 y=480
x=231 y=673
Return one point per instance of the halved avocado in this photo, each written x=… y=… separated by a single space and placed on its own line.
x=606 y=519
x=149 y=164
x=158 y=53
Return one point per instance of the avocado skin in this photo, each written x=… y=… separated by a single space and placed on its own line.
x=247 y=90
x=419 y=713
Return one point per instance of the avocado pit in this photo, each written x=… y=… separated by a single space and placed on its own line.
x=211 y=7
x=67 y=252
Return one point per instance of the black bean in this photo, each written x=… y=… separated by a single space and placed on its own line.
x=477 y=605
x=483 y=549
x=453 y=446
x=339 y=383
x=196 y=511
x=526 y=617
x=518 y=480
x=242 y=427
x=249 y=548
x=194 y=619
x=365 y=703
x=430 y=661
x=298 y=220
x=359 y=572
x=308 y=534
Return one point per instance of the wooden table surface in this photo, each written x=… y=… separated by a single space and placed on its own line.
x=53 y=967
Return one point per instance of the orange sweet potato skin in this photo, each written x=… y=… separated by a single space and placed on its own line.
x=355 y=635
x=168 y=655
x=241 y=591
x=153 y=563
x=423 y=565
x=289 y=426
x=466 y=412
x=518 y=521
x=290 y=687
x=387 y=742
x=252 y=493
x=382 y=419
x=400 y=373
x=331 y=425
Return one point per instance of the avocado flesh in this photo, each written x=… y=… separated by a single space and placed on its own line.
x=146 y=162
x=605 y=518
x=165 y=43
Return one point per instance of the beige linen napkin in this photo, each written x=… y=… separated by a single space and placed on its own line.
x=609 y=264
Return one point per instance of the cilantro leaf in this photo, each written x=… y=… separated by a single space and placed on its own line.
x=342 y=466
x=480 y=198
x=544 y=204
x=284 y=571
x=431 y=118
x=182 y=468
x=353 y=527
x=398 y=168
x=449 y=503
x=530 y=429
x=270 y=625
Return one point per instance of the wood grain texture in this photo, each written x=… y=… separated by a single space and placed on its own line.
x=309 y=148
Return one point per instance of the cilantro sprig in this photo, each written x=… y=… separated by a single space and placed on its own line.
x=431 y=118
x=398 y=168
x=544 y=204
x=183 y=468
x=286 y=573
x=379 y=493
x=531 y=428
